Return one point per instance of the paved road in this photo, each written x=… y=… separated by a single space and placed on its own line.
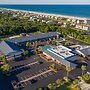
x=77 y=41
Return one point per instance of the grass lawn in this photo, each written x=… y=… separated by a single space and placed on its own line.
x=76 y=88
x=64 y=87
x=4 y=38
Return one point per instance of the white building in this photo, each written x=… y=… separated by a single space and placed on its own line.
x=87 y=28
x=61 y=54
x=79 y=26
x=79 y=21
x=87 y=21
x=83 y=27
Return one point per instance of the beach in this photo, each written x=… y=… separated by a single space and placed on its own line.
x=47 y=14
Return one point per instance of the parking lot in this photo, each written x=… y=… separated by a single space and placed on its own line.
x=31 y=74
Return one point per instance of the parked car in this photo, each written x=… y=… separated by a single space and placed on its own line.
x=39 y=62
x=33 y=81
x=88 y=73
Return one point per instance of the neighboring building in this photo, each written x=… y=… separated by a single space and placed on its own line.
x=84 y=50
x=10 y=50
x=87 y=21
x=79 y=21
x=79 y=26
x=87 y=28
x=74 y=20
x=62 y=55
x=34 y=37
x=83 y=27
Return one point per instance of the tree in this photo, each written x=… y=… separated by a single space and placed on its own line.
x=68 y=69
x=27 y=44
x=83 y=68
x=58 y=81
x=50 y=86
x=26 y=53
x=5 y=68
x=40 y=89
x=3 y=58
x=35 y=51
x=86 y=77
x=53 y=65
x=75 y=82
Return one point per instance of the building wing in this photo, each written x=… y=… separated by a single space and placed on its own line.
x=33 y=37
x=9 y=48
x=60 y=60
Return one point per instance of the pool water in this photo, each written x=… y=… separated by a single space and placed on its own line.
x=47 y=47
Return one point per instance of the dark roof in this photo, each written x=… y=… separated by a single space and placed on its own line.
x=86 y=51
x=33 y=37
x=62 y=61
x=9 y=48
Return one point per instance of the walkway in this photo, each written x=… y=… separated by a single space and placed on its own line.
x=24 y=66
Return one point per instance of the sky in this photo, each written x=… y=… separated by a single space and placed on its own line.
x=44 y=1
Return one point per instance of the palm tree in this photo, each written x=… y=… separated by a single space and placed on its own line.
x=27 y=44
x=26 y=53
x=83 y=68
x=58 y=82
x=53 y=65
x=4 y=59
x=50 y=86
x=68 y=69
x=86 y=77
x=40 y=89
x=75 y=82
x=5 y=68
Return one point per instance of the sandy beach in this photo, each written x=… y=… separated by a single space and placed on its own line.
x=49 y=14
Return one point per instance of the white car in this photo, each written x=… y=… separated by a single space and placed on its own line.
x=88 y=73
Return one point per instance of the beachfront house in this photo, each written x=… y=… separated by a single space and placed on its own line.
x=79 y=21
x=87 y=28
x=78 y=26
x=83 y=27
x=86 y=21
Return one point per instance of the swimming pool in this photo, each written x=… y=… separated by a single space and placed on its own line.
x=47 y=47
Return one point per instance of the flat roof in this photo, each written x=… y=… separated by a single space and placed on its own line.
x=60 y=59
x=61 y=51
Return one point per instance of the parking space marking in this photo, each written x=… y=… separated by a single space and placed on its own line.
x=25 y=82
x=38 y=78
x=34 y=77
x=44 y=75
x=22 y=84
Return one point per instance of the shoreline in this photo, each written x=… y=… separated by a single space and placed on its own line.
x=48 y=14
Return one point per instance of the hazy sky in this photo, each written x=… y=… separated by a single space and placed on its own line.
x=45 y=1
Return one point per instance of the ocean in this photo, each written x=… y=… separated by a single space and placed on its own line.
x=70 y=10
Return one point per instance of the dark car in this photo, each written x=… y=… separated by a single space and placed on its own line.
x=33 y=81
x=40 y=62
x=43 y=88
